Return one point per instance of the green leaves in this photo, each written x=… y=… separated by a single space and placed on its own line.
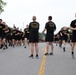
x=42 y=36
x=2 y=4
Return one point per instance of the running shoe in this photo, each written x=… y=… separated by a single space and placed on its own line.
x=31 y=56
x=51 y=54
x=64 y=49
x=37 y=56
x=25 y=47
x=46 y=54
x=73 y=55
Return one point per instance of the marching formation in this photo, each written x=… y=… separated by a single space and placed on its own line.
x=30 y=36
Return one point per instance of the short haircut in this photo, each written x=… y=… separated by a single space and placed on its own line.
x=0 y=19
x=34 y=18
x=50 y=17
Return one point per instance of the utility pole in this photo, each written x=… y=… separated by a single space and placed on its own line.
x=75 y=15
x=23 y=25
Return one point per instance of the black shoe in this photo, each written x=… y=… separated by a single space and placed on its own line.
x=37 y=56
x=25 y=47
x=72 y=55
x=4 y=48
x=13 y=46
x=0 y=47
x=64 y=49
x=46 y=54
x=31 y=56
x=51 y=54
x=60 y=45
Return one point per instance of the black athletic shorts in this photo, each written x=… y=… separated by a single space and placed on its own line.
x=49 y=37
x=73 y=38
x=33 y=38
x=65 y=37
x=27 y=36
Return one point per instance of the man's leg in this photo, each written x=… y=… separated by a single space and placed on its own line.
x=32 y=49
x=37 y=49
x=63 y=45
x=47 y=48
x=52 y=47
x=72 y=51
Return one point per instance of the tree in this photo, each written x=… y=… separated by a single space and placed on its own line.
x=42 y=36
x=2 y=4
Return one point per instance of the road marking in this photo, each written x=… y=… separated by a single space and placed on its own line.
x=42 y=67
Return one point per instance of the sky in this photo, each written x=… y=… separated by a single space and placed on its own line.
x=20 y=12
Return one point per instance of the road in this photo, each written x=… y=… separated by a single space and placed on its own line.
x=16 y=61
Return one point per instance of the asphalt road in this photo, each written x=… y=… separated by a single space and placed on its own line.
x=16 y=61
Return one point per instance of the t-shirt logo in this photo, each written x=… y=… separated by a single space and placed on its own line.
x=34 y=25
x=26 y=29
x=0 y=26
x=3 y=29
x=51 y=24
x=14 y=31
